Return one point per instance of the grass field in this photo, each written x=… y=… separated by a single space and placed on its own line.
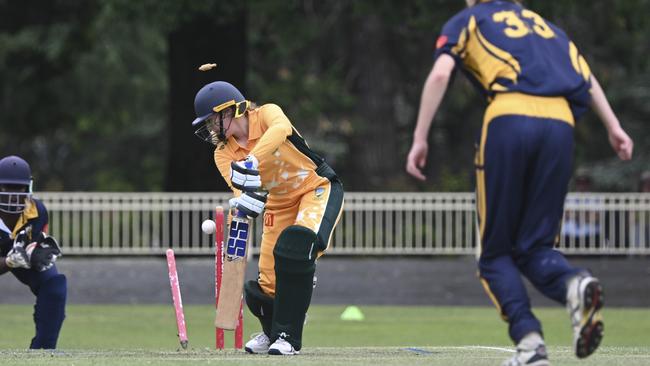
x=146 y=335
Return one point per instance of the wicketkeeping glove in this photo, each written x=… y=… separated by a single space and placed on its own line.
x=244 y=174
x=17 y=256
x=43 y=253
x=250 y=203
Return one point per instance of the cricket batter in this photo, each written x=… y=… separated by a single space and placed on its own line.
x=259 y=150
x=537 y=84
x=28 y=252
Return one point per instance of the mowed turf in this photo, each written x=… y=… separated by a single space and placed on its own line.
x=146 y=335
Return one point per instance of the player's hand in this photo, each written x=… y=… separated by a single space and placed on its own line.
x=244 y=174
x=17 y=256
x=43 y=253
x=621 y=143
x=250 y=203
x=417 y=158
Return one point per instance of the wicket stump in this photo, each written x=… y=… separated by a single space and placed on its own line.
x=176 y=296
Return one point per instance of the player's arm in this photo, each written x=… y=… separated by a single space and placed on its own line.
x=434 y=90
x=223 y=161
x=278 y=128
x=618 y=139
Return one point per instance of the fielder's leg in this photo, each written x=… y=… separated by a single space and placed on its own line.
x=49 y=311
x=546 y=268
x=295 y=255
x=549 y=271
x=546 y=189
x=501 y=179
x=503 y=283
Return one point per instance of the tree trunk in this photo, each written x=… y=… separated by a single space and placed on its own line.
x=190 y=164
x=374 y=148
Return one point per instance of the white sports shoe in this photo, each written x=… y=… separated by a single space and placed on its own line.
x=258 y=344
x=584 y=301
x=282 y=347
x=531 y=351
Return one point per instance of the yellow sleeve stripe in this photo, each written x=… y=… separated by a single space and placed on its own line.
x=579 y=63
x=573 y=52
x=497 y=52
x=586 y=71
x=459 y=48
x=486 y=61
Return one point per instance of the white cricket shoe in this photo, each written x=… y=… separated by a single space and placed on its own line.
x=531 y=351
x=282 y=347
x=258 y=344
x=584 y=301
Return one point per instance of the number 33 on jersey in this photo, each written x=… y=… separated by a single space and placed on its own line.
x=503 y=47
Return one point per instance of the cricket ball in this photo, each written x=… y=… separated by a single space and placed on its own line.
x=208 y=226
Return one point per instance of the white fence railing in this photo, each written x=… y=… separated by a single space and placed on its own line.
x=372 y=223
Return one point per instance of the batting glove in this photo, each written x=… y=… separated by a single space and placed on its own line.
x=244 y=174
x=250 y=203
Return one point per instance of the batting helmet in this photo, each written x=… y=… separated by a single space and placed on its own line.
x=15 y=184
x=214 y=98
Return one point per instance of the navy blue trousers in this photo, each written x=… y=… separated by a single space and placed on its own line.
x=50 y=288
x=522 y=184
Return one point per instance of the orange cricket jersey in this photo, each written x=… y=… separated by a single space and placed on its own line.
x=287 y=167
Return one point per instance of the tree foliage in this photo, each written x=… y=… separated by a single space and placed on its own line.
x=84 y=91
x=95 y=93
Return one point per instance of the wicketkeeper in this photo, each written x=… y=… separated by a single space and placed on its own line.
x=258 y=149
x=28 y=252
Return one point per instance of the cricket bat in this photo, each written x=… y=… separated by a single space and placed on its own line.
x=234 y=271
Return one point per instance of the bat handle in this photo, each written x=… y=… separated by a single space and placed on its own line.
x=248 y=165
x=238 y=214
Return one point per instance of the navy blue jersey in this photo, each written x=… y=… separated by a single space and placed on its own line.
x=34 y=216
x=504 y=47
